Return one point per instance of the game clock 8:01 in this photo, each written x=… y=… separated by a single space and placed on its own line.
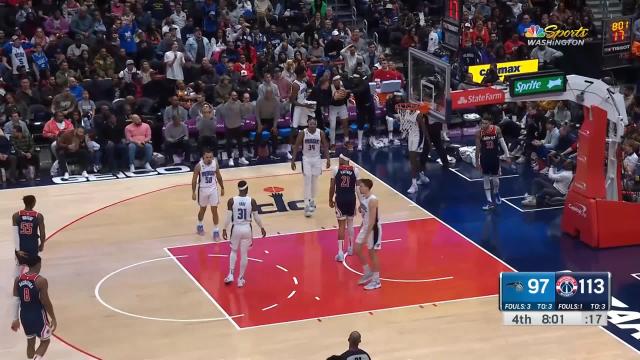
x=616 y=37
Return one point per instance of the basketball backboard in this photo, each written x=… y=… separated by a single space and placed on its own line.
x=429 y=81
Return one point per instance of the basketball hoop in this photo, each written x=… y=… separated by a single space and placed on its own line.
x=407 y=114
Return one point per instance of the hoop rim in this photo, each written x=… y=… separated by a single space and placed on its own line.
x=408 y=106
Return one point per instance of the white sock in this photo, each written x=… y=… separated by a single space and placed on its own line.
x=244 y=258
x=215 y=229
x=232 y=260
x=360 y=134
x=366 y=269
x=332 y=131
x=487 y=192
x=340 y=243
x=414 y=182
x=350 y=230
x=495 y=181
x=307 y=189
x=199 y=222
x=314 y=186
x=390 y=135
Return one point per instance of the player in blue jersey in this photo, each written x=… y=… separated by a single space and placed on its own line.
x=342 y=197
x=204 y=186
x=32 y=307
x=28 y=229
x=488 y=138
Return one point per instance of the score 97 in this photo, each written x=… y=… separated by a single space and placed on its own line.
x=537 y=286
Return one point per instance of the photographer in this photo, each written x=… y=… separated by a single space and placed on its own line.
x=555 y=185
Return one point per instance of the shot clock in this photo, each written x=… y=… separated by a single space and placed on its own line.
x=555 y=298
x=616 y=37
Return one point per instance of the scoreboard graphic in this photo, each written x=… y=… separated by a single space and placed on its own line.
x=555 y=298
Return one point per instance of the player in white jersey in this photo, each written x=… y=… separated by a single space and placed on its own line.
x=371 y=234
x=204 y=186
x=302 y=108
x=416 y=135
x=241 y=210
x=311 y=140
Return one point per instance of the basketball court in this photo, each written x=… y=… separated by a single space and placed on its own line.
x=129 y=278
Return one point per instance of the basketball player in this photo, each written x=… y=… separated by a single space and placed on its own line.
x=415 y=142
x=28 y=229
x=204 y=187
x=343 y=187
x=311 y=140
x=338 y=112
x=240 y=210
x=301 y=109
x=32 y=307
x=488 y=159
x=370 y=235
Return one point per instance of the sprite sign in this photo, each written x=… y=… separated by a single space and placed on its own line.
x=537 y=84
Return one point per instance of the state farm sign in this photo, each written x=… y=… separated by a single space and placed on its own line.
x=475 y=97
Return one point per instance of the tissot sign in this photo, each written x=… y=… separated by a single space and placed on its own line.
x=476 y=97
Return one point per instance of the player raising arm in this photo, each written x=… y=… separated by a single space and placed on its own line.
x=312 y=141
x=241 y=210
x=32 y=307
x=204 y=189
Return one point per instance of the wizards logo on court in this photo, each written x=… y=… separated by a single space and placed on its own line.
x=279 y=204
x=566 y=286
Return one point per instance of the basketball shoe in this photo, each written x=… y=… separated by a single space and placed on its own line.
x=229 y=279
x=200 y=229
x=365 y=278
x=373 y=284
x=241 y=282
x=340 y=257
x=216 y=235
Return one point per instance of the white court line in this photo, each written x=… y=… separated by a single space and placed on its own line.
x=295 y=280
x=480 y=179
x=282 y=268
x=206 y=293
x=367 y=311
x=480 y=247
x=297 y=232
x=291 y=294
x=104 y=303
x=528 y=210
x=398 y=280
x=391 y=240
x=269 y=307
x=224 y=255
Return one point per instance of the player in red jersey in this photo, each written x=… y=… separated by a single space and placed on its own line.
x=28 y=230
x=32 y=307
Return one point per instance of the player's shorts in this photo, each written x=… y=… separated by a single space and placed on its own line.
x=241 y=234
x=490 y=165
x=312 y=166
x=345 y=207
x=300 y=116
x=208 y=196
x=374 y=242
x=415 y=142
x=35 y=325
x=338 y=112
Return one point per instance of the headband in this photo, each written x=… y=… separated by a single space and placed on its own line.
x=343 y=157
x=245 y=187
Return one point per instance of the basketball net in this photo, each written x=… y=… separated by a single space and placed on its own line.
x=407 y=114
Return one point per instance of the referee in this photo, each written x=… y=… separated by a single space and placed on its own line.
x=354 y=351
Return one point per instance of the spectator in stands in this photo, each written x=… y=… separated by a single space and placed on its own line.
x=14 y=120
x=222 y=91
x=54 y=127
x=480 y=32
x=86 y=106
x=40 y=63
x=27 y=94
x=75 y=89
x=267 y=113
x=176 y=140
x=104 y=64
x=561 y=114
x=26 y=154
x=512 y=45
x=231 y=113
x=542 y=148
x=555 y=185
x=64 y=102
x=207 y=129
x=284 y=85
x=636 y=28
x=246 y=85
x=174 y=60
x=354 y=351
x=630 y=163
x=333 y=46
x=138 y=135
x=8 y=160
x=110 y=132
x=351 y=58
x=174 y=110
x=524 y=24
x=73 y=144
x=75 y=50
x=56 y=24
x=198 y=47
x=63 y=75
x=546 y=56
